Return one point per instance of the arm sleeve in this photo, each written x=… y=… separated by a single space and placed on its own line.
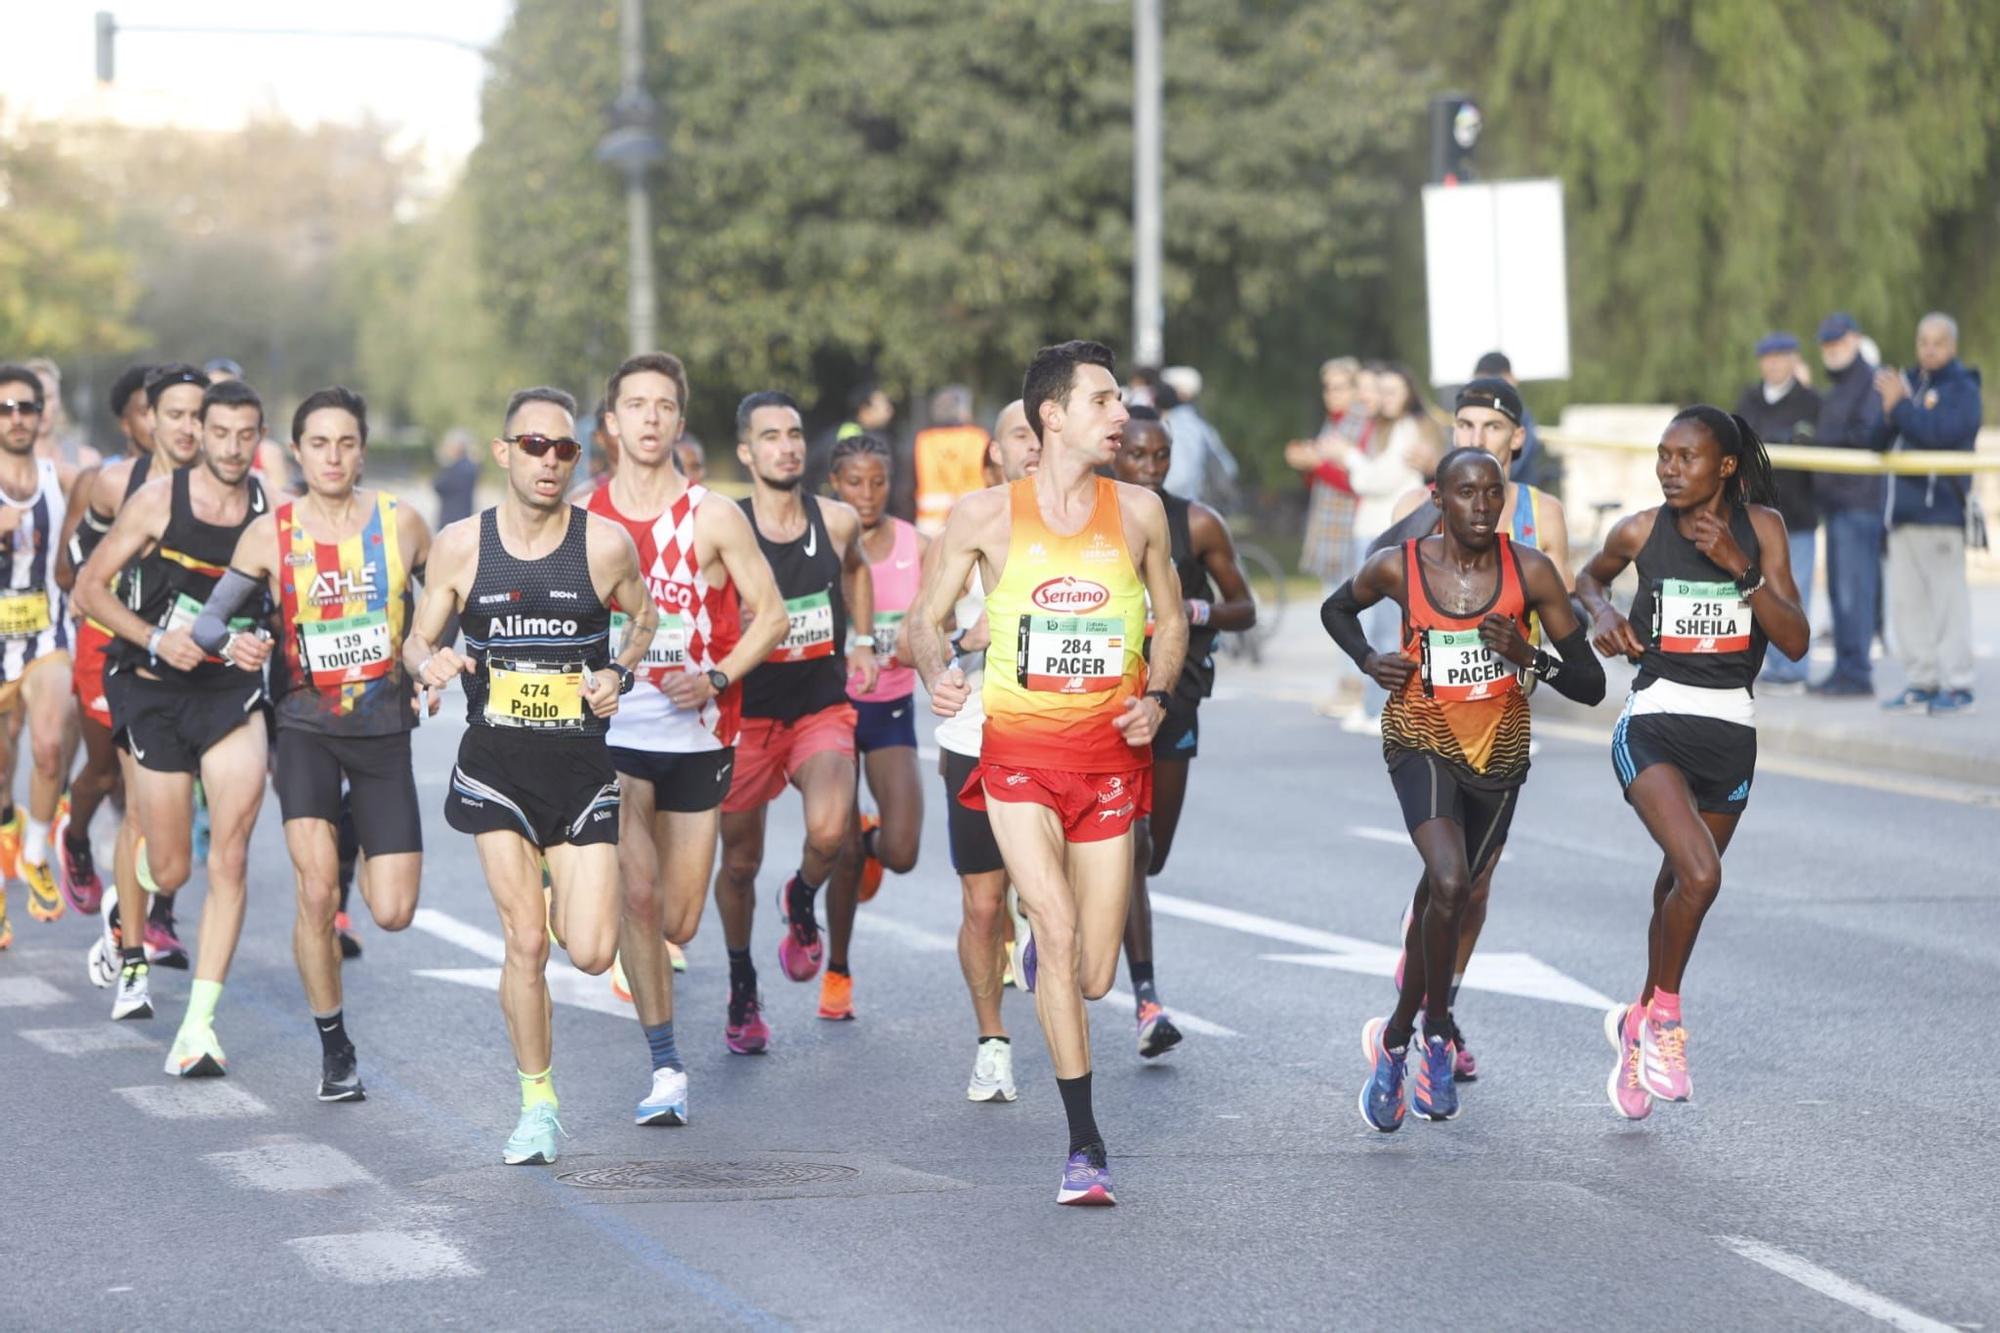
x=232 y=590
x=1341 y=614
x=1577 y=674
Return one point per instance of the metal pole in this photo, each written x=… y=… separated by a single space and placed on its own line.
x=1148 y=308
x=641 y=308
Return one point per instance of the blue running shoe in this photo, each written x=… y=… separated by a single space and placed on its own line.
x=533 y=1142
x=667 y=1103
x=1086 y=1180
x=1436 y=1093
x=1382 y=1095
x=1024 y=944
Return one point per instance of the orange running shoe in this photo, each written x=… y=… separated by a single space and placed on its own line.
x=10 y=845
x=871 y=869
x=621 y=990
x=836 y=996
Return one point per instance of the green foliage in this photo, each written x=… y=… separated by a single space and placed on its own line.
x=65 y=284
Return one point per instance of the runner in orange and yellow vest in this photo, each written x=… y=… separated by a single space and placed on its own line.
x=1065 y=763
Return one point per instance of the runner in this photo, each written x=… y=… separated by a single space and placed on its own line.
x=180 y=712
x=673 y=741
x=1489 y=417
x=1015 y=453
x=886 y=727
x=34 y=631
x=532 y=581
x=338 y=566
x=1065 y=766
x=797 y=723
x=1455 y=736
x=1715 y=585
x=99 y=777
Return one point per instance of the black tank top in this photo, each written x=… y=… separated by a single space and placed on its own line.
x=87 y=535
x=533 y=628
x=168 y=586
x=808 y=671
x=1198 y=674
x=1696 y=627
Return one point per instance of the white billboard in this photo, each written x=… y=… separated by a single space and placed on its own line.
x=1494 y=269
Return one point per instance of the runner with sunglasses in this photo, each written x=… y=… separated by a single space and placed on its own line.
x=533 y=580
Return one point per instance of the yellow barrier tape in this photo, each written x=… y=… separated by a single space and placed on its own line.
x=1822 y=458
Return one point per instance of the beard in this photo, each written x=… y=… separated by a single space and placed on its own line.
x=782 y=483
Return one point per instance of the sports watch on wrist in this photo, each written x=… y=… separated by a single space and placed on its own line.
x=1750 y=580
x=626 y=677
x=717 y=681
x=1162 y=696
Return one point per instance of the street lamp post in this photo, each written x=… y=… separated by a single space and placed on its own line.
x=634 y=147
x=1148 y=305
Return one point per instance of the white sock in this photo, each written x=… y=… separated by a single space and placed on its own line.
x=35 y=843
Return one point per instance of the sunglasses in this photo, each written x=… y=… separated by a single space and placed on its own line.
x=20 y=407
x=535 y=446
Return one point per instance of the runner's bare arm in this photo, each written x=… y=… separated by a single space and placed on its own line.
x=947 y=567
x=615 y=575
x=1553 y=539
x=729 y=533
x=843 y=525
x=76 y=504
x=1576 y=674
x=138 y=527
x=1610 y=632
x=413 y=534
x=1381 y=575
x=1775 y=603
x=1142 y=716
x=1216 y=550
x=453 y=562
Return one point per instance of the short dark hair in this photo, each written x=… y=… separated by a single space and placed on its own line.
x=1456 y=456
x=1493 y=363
x=858 y=396
x=230 y=393
x=762 y=398
x=660 y=363
x=540 y=393
x=333 y=395
x=1052 y=374
x=11 y=373
x=130 y=380
x=167 y=376
x=860 y=444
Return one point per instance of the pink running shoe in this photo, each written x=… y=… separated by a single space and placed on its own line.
x=1663 y=1060
x=800 y=947
x=1628 y=1095
x=747 y=1033
x=163 y=944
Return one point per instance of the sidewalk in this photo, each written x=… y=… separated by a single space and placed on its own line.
x=1300 y=664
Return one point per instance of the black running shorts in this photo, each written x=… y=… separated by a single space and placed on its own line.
x=548 y=789
x=1430 y=788
x=1718 y=758
x=381 y=783
x=1179 y=736
x=168 y=726
x=973 y=851
x=685 y=784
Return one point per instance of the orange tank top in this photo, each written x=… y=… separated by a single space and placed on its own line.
x=951 y=464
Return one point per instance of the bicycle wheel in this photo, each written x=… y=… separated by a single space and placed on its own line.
x=1266 y=578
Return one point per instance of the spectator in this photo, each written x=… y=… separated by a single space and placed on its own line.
x=58 y=440
x=1329 y=536
x=1782 y=409
x=1142 y=386
x=457 y=476
x=1851 y=506
x=1935 y=406
x=1531 y=465
x=871 y=411
x=1202 y=469
x=948 y=457
x=693 y=459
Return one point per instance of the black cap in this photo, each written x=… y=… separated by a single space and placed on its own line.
x=130 y=380
x=1495 y=393
x=167 y=376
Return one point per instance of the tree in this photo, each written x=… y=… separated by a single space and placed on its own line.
x=65 y=285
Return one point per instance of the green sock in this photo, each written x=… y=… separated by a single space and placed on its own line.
x=538 y=1089
x=202 y=997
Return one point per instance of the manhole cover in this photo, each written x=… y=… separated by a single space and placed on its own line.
x=706 y=1175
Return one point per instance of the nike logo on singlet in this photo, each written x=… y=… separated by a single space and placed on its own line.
x=812 y=539
x=904 y=564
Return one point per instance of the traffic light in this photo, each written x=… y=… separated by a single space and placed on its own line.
x=107 y=32
x=1455 y=126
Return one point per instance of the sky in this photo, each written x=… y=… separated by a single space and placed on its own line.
x=428 y=90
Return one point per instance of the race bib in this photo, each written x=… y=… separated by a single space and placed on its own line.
x=532 y=696
x=811 y=633
x=888 y=635
x=1703 y=617
x=1071 y=654
x=343 y=652
x=1459 y=667
x=185 y=610
x=23 y=615
x=666 y=653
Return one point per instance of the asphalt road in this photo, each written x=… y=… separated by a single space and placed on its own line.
x=1831 y=1173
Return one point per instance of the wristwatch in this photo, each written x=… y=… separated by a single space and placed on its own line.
x=1750 y=580
x=862 y=641
x=1166 y=700
x=626 y=678
x=717 y=681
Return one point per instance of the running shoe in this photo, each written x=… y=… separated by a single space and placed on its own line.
x=1911 y=700
x=10 y=844
x=343 y=930
x=836 y=997
x=1464 y=1069
x=6 y=926
x=1434 y=1094
x=1382 y=1095
x=1086 y=1179
x=533 y=1142
x=747 y=1033
x=1024 y=944
x=1157 y=1033
x=1628 y=1095
x=196 y=1054
x=1953 y=703
x=800 y=947
x=1663 y=1060
x=667 y=1103
x=992 y=1074
x=77 y=867
x=201 y=828
x=45 y=900
x=340 y=1077
x=676 y=957
x=621 y=989
x=163 y=943
x=871 y=867
x=133 y=998
x=101 y=963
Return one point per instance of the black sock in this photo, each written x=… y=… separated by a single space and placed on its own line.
x=1143 y=989
x=868 y=842
x=78 y=839
x=161 y=913
x=1004 y=1041
x=1437 y=1025
x=799 y=897
x=127 y=957
x=1142 y=973
x=1076 y=1105
x=332 y=1033
x=1396 y=1036
x=742 y=973
x=840 y=968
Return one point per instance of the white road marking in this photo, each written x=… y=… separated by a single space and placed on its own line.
x=1815 y=1278
x=193 y=1099
x=915 y=937
x=292 y=1164
x=371 y=1258
x=462 y=933
x=566 y=986
x=1182 y=1018
x=93 y=1040
x=1394 y=837
x=28 y=993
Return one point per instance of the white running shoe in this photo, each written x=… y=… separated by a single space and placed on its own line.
x=133 y=998
x=197 y=1054
x=667 y=1103
x=992 y=1074
x=102 y=961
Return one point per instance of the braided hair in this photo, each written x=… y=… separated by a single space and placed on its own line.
x=861 y=444
x=1736 y=438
